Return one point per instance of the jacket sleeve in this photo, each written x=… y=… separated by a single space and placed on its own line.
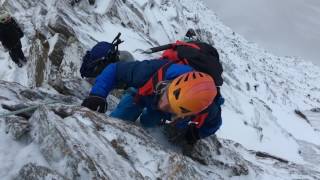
x=105 y=81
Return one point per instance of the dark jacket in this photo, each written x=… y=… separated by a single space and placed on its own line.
x=10 y=34
x=136 y=74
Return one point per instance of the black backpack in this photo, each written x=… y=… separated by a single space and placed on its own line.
x=205 y=59
x=199 y=55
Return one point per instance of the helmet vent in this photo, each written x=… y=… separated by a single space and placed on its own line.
x=187 y=77
x=201 y=75
x=176 y=93
x=178 y=82
x=194 y=75
x=184 y=110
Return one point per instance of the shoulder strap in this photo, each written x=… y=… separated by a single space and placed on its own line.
x=200 y=118
x=149 y=87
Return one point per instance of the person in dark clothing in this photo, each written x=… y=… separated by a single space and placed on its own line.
x=10 y=35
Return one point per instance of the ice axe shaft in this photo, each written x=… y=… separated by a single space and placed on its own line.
x=158 y=48
x=169 y=46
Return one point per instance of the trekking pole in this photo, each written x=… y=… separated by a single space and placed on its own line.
x=158 y=48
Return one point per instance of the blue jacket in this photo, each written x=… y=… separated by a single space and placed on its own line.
x=136 y=74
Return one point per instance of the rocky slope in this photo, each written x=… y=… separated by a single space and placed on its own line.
x=71 y=142
x=262 y=137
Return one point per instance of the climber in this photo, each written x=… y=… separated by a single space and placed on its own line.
x=10 y=35
x=162 y=91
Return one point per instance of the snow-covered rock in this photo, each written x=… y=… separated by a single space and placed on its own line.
x=33 y=171
x=17 y=127
x=261 y=137
x=77 y=143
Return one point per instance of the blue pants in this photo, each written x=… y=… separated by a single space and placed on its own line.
x=128 y=110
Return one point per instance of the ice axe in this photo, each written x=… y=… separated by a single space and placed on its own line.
x=159 y=48
x=169 y=46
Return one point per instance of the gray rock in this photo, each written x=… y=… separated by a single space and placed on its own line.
x=39 y=56
x=82 y=144
x=53 y=132
x=58 y=25
x=32 y=171
x=32 y=95
x=17 y=126
x=73 y=86
x=73 y=2
x=210 y=152
x=56 y=56
x=133 y=18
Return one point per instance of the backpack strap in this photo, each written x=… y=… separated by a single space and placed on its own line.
x=170 y=54
x=199 y=119
x=149 y=87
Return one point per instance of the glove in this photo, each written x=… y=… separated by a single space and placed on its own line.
x=95 y=103
x=192 y=134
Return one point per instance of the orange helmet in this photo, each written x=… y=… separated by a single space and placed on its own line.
x=191 y=93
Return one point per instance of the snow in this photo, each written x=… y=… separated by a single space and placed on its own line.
x=16 y=154
x=9 y=71
x=260 y=119
x=313 y=117
x=52 y=41
x=271 y=140
x=102 y=6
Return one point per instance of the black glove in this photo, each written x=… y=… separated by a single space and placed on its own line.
x=95 y=103
x=192 y=134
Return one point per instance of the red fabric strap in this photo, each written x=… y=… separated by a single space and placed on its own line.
x=199 y=119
